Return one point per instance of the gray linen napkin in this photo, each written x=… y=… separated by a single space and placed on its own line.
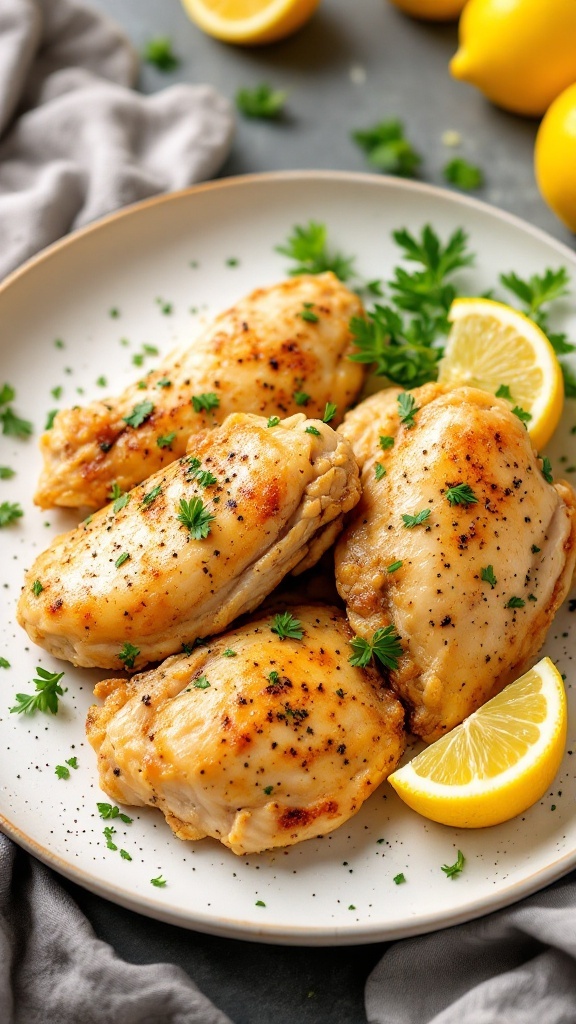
x=53 y=969
x=75 y=141
x=517 y=966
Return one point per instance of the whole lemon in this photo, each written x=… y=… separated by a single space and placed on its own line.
x=520 y=53
x=431 y=10
x=555 y=157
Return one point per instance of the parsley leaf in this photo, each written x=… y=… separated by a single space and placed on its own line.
x=13 y=426
x=195 y=517
x=308 y=314
x=37 y=588
x=273 y=421
x=463 y=174
x=451 y=870
x=547 y=470
x=312 y=430
x=385 y=646
x=307 y=246
x=262 y=101
x=329 y=412
x=407 y=409
x=6 y=473
x=160 y=54
x=62 y=771
x=159 y=882
x=461 y=494
x=388 y=149
x=229 y=653
x=385 y=441
x=515 y=602
x=395 y=565
x=120 y=503
x=201 y=683
x=151 y=496
x=379 y=471
x=166 y=439
x=112 y=811
x=140 y=413
x=10 y=511
x=50 y=417
x=301 y=397
x=398 y=879
x=205 y=402
x=287 y=627
x=522 y=415
x=128 y=654
x=46 y=697
x=417 y=520
x=504 y=392
x=121 y=559
x=487 y=575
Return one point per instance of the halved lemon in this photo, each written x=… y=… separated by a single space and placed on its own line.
x=250 y=22
x=498 y=762
x=491 y=345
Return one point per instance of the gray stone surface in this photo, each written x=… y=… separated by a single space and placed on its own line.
x=357 y=62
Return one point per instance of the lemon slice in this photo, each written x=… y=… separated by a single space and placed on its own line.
x=491 y=345
x=250 y=22
x=498 y=762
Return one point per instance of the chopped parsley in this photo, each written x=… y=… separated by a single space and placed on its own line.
x=487 y=575
x=451 y=870
x=102 y=382
x=398 y=879
x=379 y=471
x=164 y=383
x=128 y=654
x=4 y=663
x=121 y=502
x=329 y=412
x=535 y=549
x=140 y=413
x=273 y=421
x=522 y=415
x=394 y=566
x=10 y=511
x=515 y=602
x=195 y=517
x=301 y=397
x=385 y=646
x=62 y=771
x=287 y=627
x=107 y=811
x=385 y=441
x=504 y=392
x=463 y=174
x=268 y=790
x=259 y=903
x=37 y=588
x=205 y=402
x=312 y=430
x=48 y=690
x=108 y=832
x=121 y=559
x=125 y=855
x=151 y=496
x=307 y=313
x=73 y=762
x=229 y=653
x=407 y=409
x=6 y=473
x=159 y=882
x=159 y=53
x=417 y=520
x=166 y=439
x=205 y=478
x=388 y=149
x=201 y=683
x=535 y=293
x=307 y=246
x=547 y=470
x=13 y=425
x=461 y=494
x=262 y=102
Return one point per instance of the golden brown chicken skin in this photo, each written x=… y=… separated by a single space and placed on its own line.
x=255 y=740
x=261 y=356
x=471 y=586
x=147 y=574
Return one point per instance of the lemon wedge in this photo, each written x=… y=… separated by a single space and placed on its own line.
x=250 y=22
x=491 y=346
x=498 y=762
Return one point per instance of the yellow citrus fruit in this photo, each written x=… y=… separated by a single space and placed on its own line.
x=498 y=762
x=555 y=157
x=520 y=53
x=491 y=345
x=250 y=22
x=431 y=10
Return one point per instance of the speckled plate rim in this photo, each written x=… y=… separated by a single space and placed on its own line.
x=270 y=932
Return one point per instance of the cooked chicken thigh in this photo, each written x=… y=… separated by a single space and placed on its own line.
x=255 y=740
x=463 y=545
x=277 y=351
x=196 y=545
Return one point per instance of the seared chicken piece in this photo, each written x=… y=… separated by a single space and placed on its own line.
x=255 y=740
x=277 y=351
x=471 y=586
x=196 y=545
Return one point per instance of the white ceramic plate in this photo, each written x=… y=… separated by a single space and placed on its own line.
x=176 y=249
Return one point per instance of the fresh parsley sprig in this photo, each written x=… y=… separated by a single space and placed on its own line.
x=461 y=494
x=261 y=102
x=307 y=246
x=195 y=517
x=10 y=511
x=535 y=294
x=452 y=870
x=385 y=646
x=287 y=627
x=48 y=690
x=388 y=149
x=12 y=425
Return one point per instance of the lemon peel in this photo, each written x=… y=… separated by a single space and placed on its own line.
x=250 y=22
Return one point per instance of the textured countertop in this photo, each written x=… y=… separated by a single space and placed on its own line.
x=354 y=64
